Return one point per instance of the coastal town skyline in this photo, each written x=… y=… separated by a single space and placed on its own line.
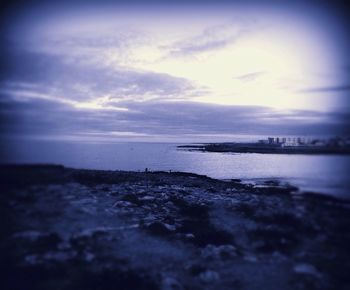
x=173 y=71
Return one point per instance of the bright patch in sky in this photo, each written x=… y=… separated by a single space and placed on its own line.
x=283 y=52
x=117 y=65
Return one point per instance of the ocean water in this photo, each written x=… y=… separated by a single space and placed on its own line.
x=328 y=174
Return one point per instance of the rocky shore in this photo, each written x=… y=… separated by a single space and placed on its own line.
x=266 y=148
x=66 y=228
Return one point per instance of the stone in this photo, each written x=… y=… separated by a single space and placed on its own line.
x=209 y=276
x=170 y=283
x=122 y=203
x=251 y=258
x=307 y=269
x=147 y=197
x=219 y=252
x=189 y=236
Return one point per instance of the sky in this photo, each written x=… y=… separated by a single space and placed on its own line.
x=173 y=71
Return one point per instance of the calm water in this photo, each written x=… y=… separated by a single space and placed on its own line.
x=322 y=173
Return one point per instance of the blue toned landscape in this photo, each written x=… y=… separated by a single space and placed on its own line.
x=174 y=145
x=327 y=174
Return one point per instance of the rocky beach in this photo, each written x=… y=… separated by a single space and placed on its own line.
x=65 y=228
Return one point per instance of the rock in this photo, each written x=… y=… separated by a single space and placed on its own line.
x=195 y=269
x=307 y=269
x=90 y=232
x=160 y=229
x=272 y=182
x=89 y=257
x=209 y=276
x=30 y=235
x=150 y=218
x=251 y=258
x=181 y=240
x=219 y=252
x=122 y=203
x=189 y=236
x=31 y=259
x=147 y=197
x=277 y=256
x=64 y=245
x=59 y=256
x=170 y=227
x=170 y=283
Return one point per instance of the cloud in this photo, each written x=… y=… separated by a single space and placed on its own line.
x=212 y=38
x=343 y=88
x=153 y=120
x=73 y=77
x=250 y=76
x=77 y=80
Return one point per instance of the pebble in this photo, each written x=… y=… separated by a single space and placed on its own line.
x=89 y=257
x=219 y=252
x=251 y=258
x=170 y=227
x=122 y=203
x=189 y=236
x=147 y=197
x=307 y=269
x=170 y=283
x=30 y=235
x=209 y=276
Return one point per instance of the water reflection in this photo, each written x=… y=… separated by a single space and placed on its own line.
x=321 y=173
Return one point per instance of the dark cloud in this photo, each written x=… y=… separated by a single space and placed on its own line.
x=77 y=79
x=155 y=119
x=39 y=90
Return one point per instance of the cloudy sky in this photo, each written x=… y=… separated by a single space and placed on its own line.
x=152 y=71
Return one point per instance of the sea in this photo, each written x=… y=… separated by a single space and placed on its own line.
x=324 y=174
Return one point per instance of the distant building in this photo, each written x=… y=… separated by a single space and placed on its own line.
x=290 y=142
x=318 y=143
x=307 y=142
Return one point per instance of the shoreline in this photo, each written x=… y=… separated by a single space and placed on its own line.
x=249 y=182
x=82 y=229
x=263 y=149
